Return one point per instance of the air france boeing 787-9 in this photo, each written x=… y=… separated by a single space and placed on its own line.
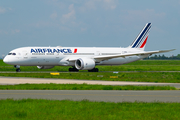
x=81 y=58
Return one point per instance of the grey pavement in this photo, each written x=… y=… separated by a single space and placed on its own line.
x=94 y=95
x=21 y=80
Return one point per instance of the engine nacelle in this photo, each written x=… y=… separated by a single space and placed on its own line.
x=84 y=64
x=45 y=67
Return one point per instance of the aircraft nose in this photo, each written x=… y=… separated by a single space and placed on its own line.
x=5 y=60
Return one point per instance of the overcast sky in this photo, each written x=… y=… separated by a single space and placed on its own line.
x=89 y=23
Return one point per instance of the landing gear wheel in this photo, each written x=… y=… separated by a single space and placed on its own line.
x=73 y=69
x=94 y=70
x=18 y=70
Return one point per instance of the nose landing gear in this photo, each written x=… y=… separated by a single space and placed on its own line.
x=73 y=69
x=17 y=68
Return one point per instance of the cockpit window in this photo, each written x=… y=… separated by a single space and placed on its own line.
x=11 y=53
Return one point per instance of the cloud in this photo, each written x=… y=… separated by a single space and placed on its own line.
x=83 y=29
x=15 y=31
x=43 y=24
x=9 y=8
x=53 y=15
x=69 y=16
x=7 y=32
x=90 y=5
x=56 y=3
x=2 y=10
x=109 y=4
x=3 y=32
x=95 y=4
x=142 y=15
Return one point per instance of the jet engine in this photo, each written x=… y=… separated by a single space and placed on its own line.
x=45 y=67
x=84 y=64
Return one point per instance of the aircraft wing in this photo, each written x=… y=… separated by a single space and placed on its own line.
x=106 y=57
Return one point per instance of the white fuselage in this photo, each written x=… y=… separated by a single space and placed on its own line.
x=58 y=56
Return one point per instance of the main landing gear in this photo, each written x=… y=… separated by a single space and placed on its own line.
x=94 y=70
x=73 y=69
x=17 y=68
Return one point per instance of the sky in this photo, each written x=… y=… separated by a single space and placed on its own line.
x=88 y=23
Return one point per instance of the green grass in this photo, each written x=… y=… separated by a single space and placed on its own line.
x=85 y=110
x=80 y=87
x=101 y=68
x=164 y=77
x=142 y=65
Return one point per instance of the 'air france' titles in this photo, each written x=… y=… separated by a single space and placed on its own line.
x=51 y=50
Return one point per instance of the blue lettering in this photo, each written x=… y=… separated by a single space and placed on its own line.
x=36 y=50
x=64 y=50
x=49 y=50
x=40 y=51
x=44 y=50
x=59 y=50
x=69 y=50
x=54 y=50
x=33 y=51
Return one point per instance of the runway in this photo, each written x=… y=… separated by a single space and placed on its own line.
x=21 y=80
x=94 y=95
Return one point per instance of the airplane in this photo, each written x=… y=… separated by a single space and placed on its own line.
x=81 y=58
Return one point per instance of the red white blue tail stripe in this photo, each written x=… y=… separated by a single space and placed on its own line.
x=141 y=39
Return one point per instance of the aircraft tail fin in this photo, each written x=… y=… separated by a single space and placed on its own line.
x=141 y=39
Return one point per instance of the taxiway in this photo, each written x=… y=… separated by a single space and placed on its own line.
x=24 y=80
x=94 y=95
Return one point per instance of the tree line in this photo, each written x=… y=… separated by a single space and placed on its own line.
x=163 y=57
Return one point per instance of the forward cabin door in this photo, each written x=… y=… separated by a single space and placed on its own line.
x=25 y=54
